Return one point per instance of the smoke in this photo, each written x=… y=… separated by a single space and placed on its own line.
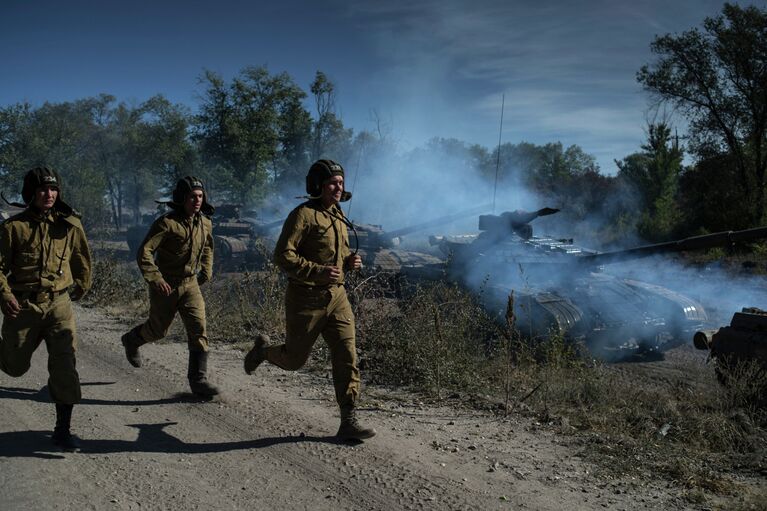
x=397 y=190
x=635 y=300
x=722 y=290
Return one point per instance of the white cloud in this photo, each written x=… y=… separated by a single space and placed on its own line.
x=567 y=70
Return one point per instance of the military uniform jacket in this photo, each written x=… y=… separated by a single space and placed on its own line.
x=43 y=253
x=176 y=247
x=312 y=237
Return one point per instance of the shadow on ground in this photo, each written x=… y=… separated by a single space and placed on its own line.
x=152 y=438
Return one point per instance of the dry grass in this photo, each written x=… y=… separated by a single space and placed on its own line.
x=241 y=305
x=438 y=341
x=117 y=286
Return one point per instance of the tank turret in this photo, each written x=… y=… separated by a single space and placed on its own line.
x=240 y=243
x=380 y=250
x=561 y=288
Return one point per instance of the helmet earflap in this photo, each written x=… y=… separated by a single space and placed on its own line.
x=184 y=187
x=319 y=172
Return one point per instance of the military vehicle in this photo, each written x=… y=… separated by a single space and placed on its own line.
x=241 y=243
x=740 y=346
x=380 y=250
x=562 y=288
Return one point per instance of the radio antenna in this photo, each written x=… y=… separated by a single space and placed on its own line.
x=498 y=153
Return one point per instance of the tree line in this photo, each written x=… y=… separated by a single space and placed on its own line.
x=254 y=135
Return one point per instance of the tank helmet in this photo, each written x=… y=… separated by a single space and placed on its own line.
x=319 y=172
x=184 y=187
x=37 y=177
x=44 y=176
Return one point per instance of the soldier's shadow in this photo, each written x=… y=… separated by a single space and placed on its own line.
x=28 y=444
x=42 y=395
x=152 y=438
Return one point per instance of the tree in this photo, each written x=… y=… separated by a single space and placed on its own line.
x=710 y=197
x=331 y=139
x=290 y=168
x=654 y=174
x=249 y=128
x=717 y=78
x=140 y=151
x=59 y=135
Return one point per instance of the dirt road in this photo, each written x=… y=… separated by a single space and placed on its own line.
x=268 y=444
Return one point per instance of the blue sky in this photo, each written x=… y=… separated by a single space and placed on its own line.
x=431 y=68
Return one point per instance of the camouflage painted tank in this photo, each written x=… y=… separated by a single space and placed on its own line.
x=240 y=243
x=560 y=288
x=380 y=250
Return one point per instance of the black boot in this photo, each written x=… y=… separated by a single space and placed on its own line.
x=198 y=370
x=62 y=438
x=131 y=341
x=351 y=429
x=257 y=354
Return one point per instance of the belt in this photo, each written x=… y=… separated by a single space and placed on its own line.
x=47 y=295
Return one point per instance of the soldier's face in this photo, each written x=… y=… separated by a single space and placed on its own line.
x=45 y=197
x=332 y=189
x=193 y=202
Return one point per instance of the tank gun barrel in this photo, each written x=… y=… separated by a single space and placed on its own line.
x=438 y=221
x=718 y=239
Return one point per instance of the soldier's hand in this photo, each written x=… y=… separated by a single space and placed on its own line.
x=75 y=293
x=11 y=307
x=331 y=273
x=162 y=287
x=353 y=262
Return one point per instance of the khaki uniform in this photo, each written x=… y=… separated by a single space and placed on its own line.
x=41 y=257
x=178 y=249
x=311 y=239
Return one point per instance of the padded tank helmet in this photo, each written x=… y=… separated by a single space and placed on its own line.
x=319 y=172
x=184 y=187
x=44 y=176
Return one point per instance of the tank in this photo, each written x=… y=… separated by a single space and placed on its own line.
x=561 y=288
x=240 y=243
x=380 y=250
x=741 y=346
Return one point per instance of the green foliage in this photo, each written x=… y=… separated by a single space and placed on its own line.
x=654 y=174
x=251 y=129
x=711 y=197
x=57 y=135
x=717 y=78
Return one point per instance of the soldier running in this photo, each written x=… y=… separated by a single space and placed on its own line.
x=44 y=254
x=313 y=249
x=175 y=258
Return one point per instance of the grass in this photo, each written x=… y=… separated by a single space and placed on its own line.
x=117 y=286
x=437 y=341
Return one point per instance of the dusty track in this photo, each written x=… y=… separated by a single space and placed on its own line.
x=267 y=444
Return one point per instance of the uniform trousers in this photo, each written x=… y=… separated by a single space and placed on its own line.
x=309 y=313
x=51 y=320
x=186 y=299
